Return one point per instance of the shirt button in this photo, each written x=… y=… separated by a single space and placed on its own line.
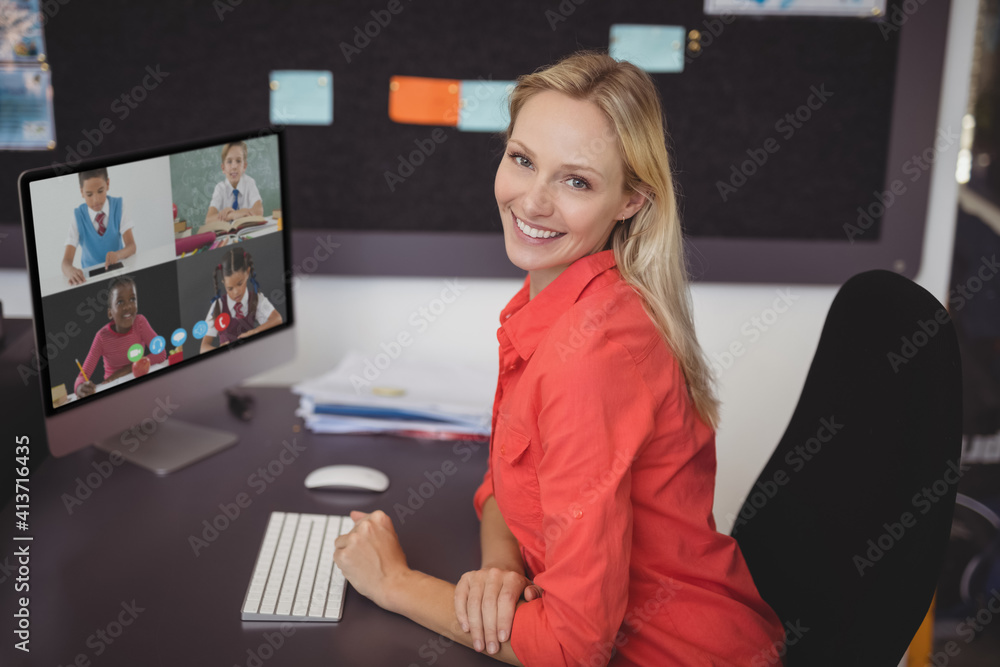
x=507 y=316
x=503 y=450
x=577 y=513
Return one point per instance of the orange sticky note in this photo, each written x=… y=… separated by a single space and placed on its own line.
x=419 y=100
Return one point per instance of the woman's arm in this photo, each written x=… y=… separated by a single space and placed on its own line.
x=486 y=599
x=373 y=561
x=499 y=546
x=430 y=602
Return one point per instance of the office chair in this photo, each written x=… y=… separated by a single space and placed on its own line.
x=846 y=528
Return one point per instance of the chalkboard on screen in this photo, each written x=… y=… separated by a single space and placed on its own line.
x=194 y=175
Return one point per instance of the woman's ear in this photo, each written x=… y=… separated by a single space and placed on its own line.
x=634 y=204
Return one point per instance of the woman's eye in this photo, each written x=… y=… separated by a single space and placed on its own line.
x=578 y=183
x=520 y=160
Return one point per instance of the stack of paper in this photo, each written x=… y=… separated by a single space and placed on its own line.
x=439 y=400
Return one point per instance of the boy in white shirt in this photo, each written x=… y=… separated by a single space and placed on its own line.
x=236 y=196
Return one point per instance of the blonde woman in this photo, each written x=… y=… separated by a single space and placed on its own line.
x=597 y=533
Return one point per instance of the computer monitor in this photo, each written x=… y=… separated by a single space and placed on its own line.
x=158 y=279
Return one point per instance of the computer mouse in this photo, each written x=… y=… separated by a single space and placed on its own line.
x=347 y=477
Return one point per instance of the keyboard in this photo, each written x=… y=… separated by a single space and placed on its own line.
x=295 y=578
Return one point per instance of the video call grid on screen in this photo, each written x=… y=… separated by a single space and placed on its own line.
x=163 y=199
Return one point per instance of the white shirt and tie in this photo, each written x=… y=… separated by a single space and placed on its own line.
x=247 y=194
x=264 y=310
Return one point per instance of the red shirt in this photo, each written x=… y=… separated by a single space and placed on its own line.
x=605 y=475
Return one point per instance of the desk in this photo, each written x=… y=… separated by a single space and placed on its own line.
x=127 y=265
x=103 y=386
x=129 y=541
x=268 y=227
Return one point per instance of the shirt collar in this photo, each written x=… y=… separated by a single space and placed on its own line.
x=93 y=213
x=526 y=320
x=243 y=302
x=239 y=186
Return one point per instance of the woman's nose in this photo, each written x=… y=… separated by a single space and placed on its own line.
x=537 y=201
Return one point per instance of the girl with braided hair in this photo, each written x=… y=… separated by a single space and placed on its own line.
x=238 y=308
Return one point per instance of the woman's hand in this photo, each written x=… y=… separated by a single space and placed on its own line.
x=370 y=556
x=485 y=601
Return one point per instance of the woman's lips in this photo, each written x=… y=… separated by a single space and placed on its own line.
x=535 y=233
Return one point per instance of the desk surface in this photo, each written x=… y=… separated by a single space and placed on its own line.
x=124 y=551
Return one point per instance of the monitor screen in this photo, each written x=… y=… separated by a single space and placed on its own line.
x=128 y=286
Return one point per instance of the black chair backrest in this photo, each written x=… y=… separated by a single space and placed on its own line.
x=846 y=528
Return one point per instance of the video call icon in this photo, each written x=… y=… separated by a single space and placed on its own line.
x=178 y=337
x=135 y=352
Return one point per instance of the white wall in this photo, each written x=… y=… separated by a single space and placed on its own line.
x=759 y=391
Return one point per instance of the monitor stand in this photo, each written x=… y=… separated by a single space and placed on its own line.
x=173 y=445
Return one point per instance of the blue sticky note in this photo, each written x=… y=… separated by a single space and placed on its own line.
x=654 y=48
x=482 y=105
x=301 y=97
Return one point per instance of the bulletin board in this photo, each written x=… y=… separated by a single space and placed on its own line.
x=784 y=129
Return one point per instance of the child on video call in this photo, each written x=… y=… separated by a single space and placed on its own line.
x=237 y=293
x=126 y=328
x=236 y=196
x=101 y=229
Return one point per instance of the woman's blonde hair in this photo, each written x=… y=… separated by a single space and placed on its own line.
x=649 y=247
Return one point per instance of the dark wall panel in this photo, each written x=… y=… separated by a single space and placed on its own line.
x=202 y=72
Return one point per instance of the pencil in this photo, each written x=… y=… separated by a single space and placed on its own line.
x=85 y=378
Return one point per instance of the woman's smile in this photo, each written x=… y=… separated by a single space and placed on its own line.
x=535 y=233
